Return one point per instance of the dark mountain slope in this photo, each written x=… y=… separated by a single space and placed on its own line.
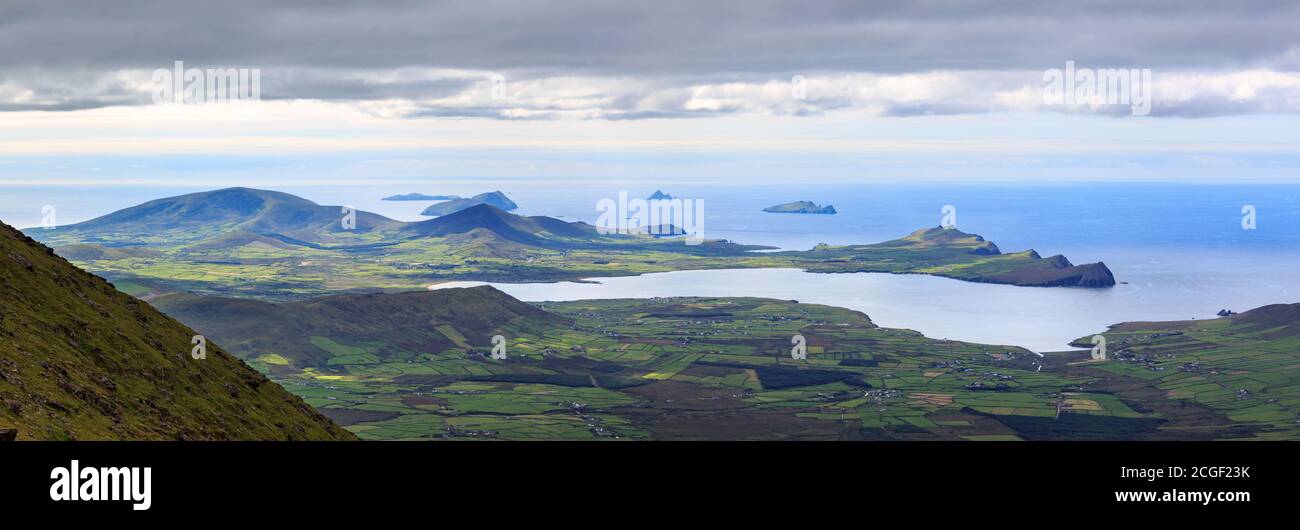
x=80 y=360
x=201 y=215
x=1057 y=271
x=492 y=198
x=1267 y=322
x=385 y=325
x=1270 y=316
x=527 y=230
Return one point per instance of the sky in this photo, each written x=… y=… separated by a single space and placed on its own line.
x=730 y=91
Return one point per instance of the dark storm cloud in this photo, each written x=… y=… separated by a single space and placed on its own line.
x=341 y=49
x=317 y=84
x=646 y=38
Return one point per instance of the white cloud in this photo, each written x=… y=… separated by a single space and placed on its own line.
x=425 y=93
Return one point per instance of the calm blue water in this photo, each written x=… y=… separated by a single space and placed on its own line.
x=1039 y=319
x=1181 y=248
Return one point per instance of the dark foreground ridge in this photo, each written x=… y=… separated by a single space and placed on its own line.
x=80 y=360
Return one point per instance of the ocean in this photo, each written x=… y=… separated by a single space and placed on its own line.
x=1180 y=250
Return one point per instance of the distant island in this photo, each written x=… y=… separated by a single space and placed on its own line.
x=420 y=197
x=800 y=207
x=659 y=196
x=493 y=198
x=196 y=239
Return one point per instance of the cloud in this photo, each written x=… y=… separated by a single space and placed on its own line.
x=666 y=37
x=655 y=60
x=412 y=94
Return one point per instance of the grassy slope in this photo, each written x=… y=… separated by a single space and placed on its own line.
x=398 y=326
x=720 y=368
x=695 y=368
x=80 y=360
x=955 y=254
x=1245 y=368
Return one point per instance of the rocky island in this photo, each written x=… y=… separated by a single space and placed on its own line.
x=420 y=197
x=801 y=207
x=493 y=198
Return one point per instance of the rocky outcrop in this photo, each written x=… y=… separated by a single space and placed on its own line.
x=1057 y=271
x=807 y=207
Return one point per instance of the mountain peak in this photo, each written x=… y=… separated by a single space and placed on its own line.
x=201 y=215
x=493 y=198
x=516 y=228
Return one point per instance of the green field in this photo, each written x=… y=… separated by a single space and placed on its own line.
x=713 y=368
x=1239 y=374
